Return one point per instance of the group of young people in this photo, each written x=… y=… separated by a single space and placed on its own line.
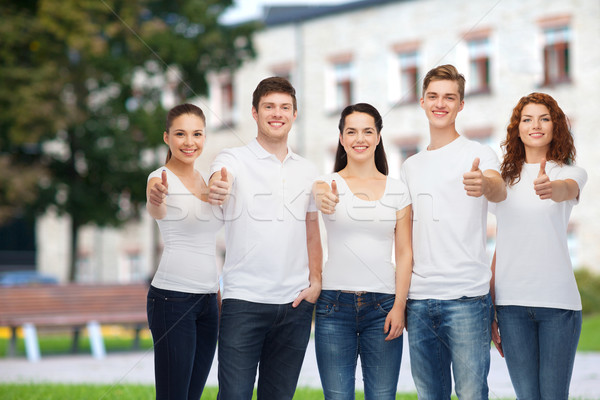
x=403 y=253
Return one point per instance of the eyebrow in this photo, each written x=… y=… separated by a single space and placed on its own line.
x=527 y=115
x=444 y=94
x=272 y=104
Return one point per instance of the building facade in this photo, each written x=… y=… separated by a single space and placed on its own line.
x=378 y=51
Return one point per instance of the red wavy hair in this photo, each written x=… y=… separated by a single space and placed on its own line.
x=562 y=148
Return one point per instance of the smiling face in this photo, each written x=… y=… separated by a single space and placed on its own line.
x=535 y=128
x=359 y=137
x=185 y=138
x=274 y=117
x=441 y=102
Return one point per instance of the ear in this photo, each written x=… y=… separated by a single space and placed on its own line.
x=462 y=105
x=295 y=114
x=254 y=114
x=422 y=102
x=166 y=138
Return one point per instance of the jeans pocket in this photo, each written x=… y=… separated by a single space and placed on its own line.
x=385 y=304
x=324 y=308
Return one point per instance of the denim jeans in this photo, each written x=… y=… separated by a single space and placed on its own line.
x=444 y=334
x=271 y=336
x=539 y=347
x=184 y=331
x=348 y=326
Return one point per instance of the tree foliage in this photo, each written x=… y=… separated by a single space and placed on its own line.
x=82 y=86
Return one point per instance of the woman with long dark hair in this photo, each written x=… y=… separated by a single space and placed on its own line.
x=183 y=296
x=537 y=303
x=361 y=309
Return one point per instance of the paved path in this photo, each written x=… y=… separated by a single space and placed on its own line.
x=137 y=367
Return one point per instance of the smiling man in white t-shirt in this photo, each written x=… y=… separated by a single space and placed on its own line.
x=272 y=271
x=449 y=306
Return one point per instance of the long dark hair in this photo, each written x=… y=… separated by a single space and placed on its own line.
x=178 y=111
x=341 y=158
x=562 y=148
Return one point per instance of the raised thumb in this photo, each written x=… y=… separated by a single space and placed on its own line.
x=475 y=166
x=542 y=167
x=334 y=188
x=224 y=174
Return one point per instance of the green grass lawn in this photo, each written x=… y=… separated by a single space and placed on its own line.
x=590 y=334
x=129 y=392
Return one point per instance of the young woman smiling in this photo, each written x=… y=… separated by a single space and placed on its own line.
x=361 y=309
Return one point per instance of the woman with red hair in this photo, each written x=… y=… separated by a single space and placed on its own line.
x=537 y=303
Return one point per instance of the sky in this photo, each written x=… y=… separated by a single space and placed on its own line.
x=244 y=10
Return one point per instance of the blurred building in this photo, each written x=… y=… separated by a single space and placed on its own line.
x=377 y=51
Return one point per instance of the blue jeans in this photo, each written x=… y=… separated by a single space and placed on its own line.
x=348 y=326
x=184 y=331
x=539 y=347
x=444 y=334
x=271 y=336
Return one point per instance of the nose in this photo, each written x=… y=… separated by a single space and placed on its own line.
x=187 y=139
x=439 y=102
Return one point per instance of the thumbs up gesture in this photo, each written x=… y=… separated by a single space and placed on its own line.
x=542 y=184
x=159 y=191
x=219 y=187
x=474 y=180
x=328 y=199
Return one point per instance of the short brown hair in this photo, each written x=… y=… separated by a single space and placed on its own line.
x=445 y=72
x=273 y=84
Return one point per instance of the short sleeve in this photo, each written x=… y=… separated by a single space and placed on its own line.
x=156 y=174
x=226 y=158
x=399 y=193
x=578 y=174
x=488 y=159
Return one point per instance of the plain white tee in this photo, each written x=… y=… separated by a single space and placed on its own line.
x=360 y=238
x=449 y=227
x=189 y=229
x=533 y=267
x=265 y=224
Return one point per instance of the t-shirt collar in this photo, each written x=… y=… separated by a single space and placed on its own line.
x=261 y=153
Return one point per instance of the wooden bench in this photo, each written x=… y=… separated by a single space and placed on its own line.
x=74 y=306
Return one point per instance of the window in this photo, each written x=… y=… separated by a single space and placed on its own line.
x=343 y=84
x=222 y=101
x=227 y=102
x=556 y=55
x=479 y=66
x=408 y=146
x=409 y=78
x=283 y=70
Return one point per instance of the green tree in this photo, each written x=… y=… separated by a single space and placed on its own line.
x=75 y=128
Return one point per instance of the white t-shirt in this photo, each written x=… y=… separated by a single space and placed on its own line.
x=449 y=227
x=533 y=267
x=188 y=231
x=265 y=224
x=360 y=238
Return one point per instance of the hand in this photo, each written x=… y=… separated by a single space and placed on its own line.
x=542 y=184
x=159 y=191
x=310 y=294
x=394 y=323
x=474 y=180
x=219 y=189
x=329 y=200
x=496 y=338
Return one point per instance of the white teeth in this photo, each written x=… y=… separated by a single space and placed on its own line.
x=360 y=147
x=276 y=124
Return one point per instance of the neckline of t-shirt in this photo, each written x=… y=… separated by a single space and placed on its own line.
x=447 y=146
x=387 y=180
x=185 y=187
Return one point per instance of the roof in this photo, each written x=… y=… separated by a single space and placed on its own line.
x=280 y=15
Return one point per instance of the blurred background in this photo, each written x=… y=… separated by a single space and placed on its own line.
x=85 y=85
